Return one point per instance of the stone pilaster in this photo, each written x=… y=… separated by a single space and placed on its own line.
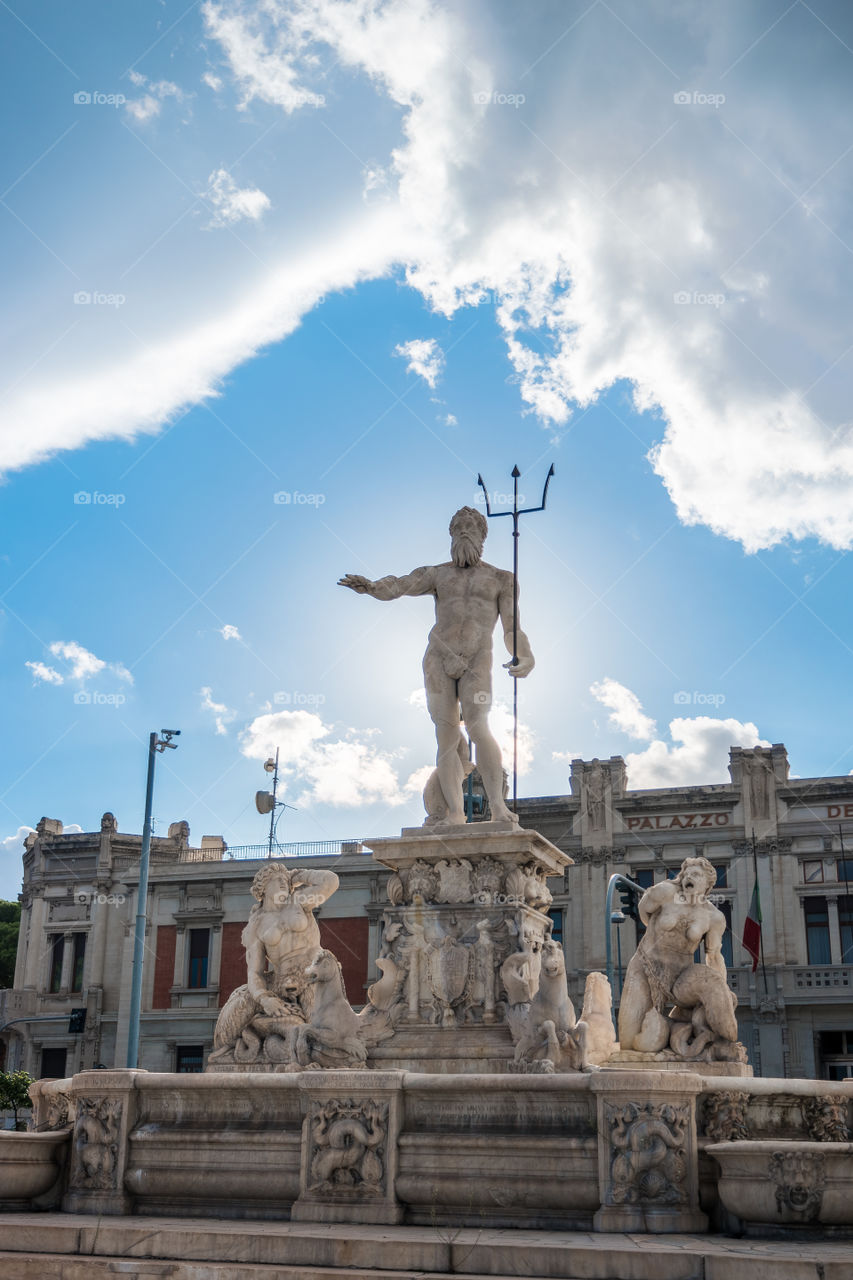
x=348 y=1166
x=598 y=783
x=104 y=1114
x=758 y=772
x=648 y=1166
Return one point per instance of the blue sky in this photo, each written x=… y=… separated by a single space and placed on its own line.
x=620 y=243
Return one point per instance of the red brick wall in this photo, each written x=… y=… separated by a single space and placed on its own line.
x=232 y=966
x=347 y=938
x=164 y=966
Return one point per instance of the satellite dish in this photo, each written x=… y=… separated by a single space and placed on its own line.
x=264 y=801
x=269 y=765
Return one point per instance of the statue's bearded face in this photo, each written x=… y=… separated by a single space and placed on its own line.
x=467 y=536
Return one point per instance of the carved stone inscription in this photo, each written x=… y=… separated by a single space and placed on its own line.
x=572 y=1117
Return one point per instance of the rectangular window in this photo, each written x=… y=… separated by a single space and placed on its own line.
x=844 y=870
x=836 y=1054
x=845 y=925
x=726 y=945
x=645 y=876
x=556 y=925
x=57 y=951
x=53 y=1064
x=77 y=962
x=722 y=876
x=812 y=873
x=817 y=931
x=199 y=950
x=190 y=1057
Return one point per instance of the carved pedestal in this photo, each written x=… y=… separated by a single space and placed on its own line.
x=104 y=1113
x=647 y=1152
x=463 y=932
x=348 y=1165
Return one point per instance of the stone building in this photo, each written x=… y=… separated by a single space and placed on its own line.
x=795 y=1012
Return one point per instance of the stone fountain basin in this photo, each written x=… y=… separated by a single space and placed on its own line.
x=789 y=1184
x=29 y=1165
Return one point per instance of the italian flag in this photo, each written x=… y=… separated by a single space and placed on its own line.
x=752 y=928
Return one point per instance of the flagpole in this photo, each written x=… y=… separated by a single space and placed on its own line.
x=761 y=930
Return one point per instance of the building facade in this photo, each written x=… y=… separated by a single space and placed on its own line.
x=795 y=1011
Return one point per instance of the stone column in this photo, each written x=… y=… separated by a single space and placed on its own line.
x=179 y=974
x=67 y=961
x=94 y=964
x=648 y=1163
x=834 y=931
x=21 y=954
x=348 y=1167
x=214 y=958
x=105 y=1113
x=36 y=946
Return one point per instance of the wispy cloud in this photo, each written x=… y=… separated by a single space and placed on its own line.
x=222 y=714
x=626 y=710
x=424 y=357
x=231 y=204
x=156 y=91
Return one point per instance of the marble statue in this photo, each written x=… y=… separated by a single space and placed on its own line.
x=470 y=597
x=284 y=958
x=669 y=1001
x=330 y=1036
x=550 y=1038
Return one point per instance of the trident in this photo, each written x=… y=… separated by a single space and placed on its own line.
x=515 y=513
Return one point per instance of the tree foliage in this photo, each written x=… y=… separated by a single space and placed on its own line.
x=14 y=1091
x=10 y=924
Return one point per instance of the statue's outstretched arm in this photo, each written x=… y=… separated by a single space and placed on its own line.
x=312 y=887
x=524 y=653
x=421 y=582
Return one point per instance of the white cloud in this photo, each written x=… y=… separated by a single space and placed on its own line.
x=417 y=698
x=43 y=673
x=265 y=69
x=424 y=357
x=595 y=237
x=14 y=844
x=697 y=252
x=626 y=710
x=222 y=714
x=231 y=204
x=230 y=632
x=81 y=665
x=149 y=105
x=185 y=365
x=568 y=756
x=699 y=754
x=341 y=772
x=212 y=81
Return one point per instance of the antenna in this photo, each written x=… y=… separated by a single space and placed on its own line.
x=266 y=802
x=516 y=533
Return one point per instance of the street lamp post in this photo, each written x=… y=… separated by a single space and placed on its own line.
x=155 y=744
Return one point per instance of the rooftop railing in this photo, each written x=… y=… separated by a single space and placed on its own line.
x=300 y=849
